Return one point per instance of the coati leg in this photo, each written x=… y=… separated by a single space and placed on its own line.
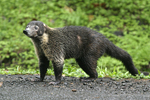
x=88 y=64
x=43 y=65
x=58 y=68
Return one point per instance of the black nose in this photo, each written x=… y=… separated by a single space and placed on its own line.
x=25 y=32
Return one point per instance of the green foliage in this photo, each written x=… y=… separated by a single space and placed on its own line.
x=106 y=16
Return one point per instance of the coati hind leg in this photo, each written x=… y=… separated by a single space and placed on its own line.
x=88 y=64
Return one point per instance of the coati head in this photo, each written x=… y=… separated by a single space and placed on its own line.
x=34 y=29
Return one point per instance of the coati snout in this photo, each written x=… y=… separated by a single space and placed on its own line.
x=25 y=32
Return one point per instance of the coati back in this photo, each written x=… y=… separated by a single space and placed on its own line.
x=81 y=43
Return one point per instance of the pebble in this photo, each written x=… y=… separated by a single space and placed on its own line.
x=74 y=90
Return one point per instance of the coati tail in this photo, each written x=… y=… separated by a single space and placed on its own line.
x=121 y=55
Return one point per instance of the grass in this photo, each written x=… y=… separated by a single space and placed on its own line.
x=76 y=72
x=131 y=17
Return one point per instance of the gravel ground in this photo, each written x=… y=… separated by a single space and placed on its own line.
x=21 y=87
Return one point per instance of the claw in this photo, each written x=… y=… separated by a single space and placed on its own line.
x=54 y=83
x=36 y=80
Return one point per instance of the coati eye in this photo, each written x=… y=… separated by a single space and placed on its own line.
x=27 y=26
x=36 y=27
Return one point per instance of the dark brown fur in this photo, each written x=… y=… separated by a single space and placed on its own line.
x=81 y=43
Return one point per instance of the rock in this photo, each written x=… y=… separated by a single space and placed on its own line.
x=74 y=90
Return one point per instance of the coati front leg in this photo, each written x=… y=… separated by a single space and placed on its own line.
x=88 y=64
x=58 y=68
x=43 y=65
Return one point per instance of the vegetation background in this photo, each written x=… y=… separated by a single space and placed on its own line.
x=124 y=22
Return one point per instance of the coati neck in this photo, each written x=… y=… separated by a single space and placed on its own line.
x=49 y=29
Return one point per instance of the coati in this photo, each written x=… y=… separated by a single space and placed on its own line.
x=81 y=43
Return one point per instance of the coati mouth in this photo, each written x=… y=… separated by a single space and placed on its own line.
x=30 y=36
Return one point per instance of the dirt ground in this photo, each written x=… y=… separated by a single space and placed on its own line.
x=21 y=87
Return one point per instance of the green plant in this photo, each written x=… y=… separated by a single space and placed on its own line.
x=106 y=16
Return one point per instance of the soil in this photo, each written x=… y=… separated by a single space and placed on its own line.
x=22 y=87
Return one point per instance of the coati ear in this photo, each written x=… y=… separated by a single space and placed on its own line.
x=40 y=33
x=41 y=29
x=44 y=27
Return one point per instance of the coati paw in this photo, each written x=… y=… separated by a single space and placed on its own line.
x=145 y=73
x=54 y=83
x=37 y=79
x=89 y=79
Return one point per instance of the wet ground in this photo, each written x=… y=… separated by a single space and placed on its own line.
x=22 y=87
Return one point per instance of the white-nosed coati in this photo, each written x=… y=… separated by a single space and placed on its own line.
x=81 y=43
